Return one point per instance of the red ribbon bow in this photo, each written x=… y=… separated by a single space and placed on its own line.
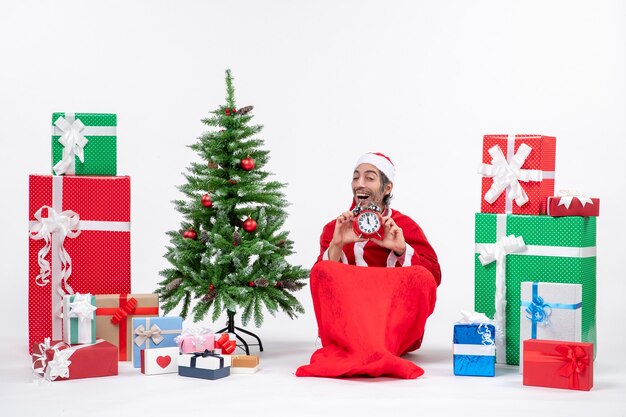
x=576 y=361
x=123 y=312
x=228 y=346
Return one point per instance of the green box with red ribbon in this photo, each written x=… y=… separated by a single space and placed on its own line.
x=511 y=249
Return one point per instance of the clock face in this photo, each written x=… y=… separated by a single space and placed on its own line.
x=368 y=223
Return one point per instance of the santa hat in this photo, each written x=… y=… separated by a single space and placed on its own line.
x=380 y=161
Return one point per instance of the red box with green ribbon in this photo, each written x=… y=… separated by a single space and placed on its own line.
x=558 y=364
x=79 y=243
x=511 y=249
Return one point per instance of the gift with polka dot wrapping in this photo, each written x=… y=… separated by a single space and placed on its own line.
x=99 y=253
x=558 y=250
x=100 y=150
x=541 y=157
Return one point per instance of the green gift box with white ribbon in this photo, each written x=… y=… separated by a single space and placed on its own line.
x=84 y=144
x=511 y=249
x=79 y=319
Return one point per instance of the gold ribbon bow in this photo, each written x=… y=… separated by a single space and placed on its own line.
x=144 y=335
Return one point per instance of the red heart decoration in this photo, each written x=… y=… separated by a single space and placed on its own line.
x=163 y=361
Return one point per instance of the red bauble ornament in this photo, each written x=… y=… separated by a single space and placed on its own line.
x=278 y=284
x=211 y=286
x=251 y=284
x=247 y=164
x=190 y=234
x=249 y=225
x=227 y=111
x=233 y=182
x=206 y=201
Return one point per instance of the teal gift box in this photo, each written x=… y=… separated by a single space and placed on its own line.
x=511 y=249
x=153 y=332
x=79 y=319
x=84 y=144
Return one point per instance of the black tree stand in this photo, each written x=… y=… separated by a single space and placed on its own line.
x=230 y=328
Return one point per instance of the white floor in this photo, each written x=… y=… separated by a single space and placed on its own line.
x=275 y=391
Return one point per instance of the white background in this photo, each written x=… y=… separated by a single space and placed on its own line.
x=421 y=81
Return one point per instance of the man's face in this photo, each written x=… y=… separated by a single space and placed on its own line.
x=367 y=186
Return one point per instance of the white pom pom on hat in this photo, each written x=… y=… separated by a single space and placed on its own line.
x=380 y=161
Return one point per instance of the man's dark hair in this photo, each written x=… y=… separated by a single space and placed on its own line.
x=384 y=180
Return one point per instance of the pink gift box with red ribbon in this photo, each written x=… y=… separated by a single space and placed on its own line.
x=79 y=243
x=518 y=173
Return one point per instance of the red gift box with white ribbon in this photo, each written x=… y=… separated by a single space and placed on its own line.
x=79 y=243
x=572 y=203
x=558 y=364
x=518 y=173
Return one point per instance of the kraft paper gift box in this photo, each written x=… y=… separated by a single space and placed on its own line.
x=84 y=144
x=154 y=332
x=474 y=349
x=568 y=204
x=550 y=311
x=518 y=173
x=243 y=364
x=194 y=340
x=79 y=243
x=79 y=320
x=511 y=249
x=56 y=360
x=159 y=361
x=558 y=364
x=205 y=365
x=115 y=314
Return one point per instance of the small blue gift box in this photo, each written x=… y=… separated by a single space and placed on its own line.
x=474 y=349
x=153 y=332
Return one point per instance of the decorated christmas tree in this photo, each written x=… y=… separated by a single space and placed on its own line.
x=231 y=254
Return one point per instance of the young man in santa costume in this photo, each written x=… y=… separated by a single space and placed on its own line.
x=372 y=297
x=403 y=243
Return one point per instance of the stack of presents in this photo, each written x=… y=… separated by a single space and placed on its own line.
x=82 y=315
x=535 y=271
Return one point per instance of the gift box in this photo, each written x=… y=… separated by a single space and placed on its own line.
x=159 y=361
x=205 y=365
x=558 y=364
x=153 y=332
x=56 y=360
x=84 y=144
x=511 y=249
x=474 y=349
x=225 y=343
x=243 y=364
x=569 y=204
x=79 y=321
x=518 y=173
x=550 y=311
x=79 y=242
x=194 y=340
x=114 y=318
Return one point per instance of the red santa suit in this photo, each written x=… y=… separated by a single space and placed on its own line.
x=418 y=250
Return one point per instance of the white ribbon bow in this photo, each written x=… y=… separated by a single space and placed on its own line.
x=497 y=252
x=66 y=224
x=82 y=308
x=508 y=174
x=73 y=143
x=199 y=335
x=473 y=317
x=144 y=334
x=568 y=195
x=58 y=367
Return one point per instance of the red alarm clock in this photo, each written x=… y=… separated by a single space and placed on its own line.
x=368 y=222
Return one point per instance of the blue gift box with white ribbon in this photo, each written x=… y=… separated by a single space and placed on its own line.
x=550 y=311
x=474 y=349
x=154 y=332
